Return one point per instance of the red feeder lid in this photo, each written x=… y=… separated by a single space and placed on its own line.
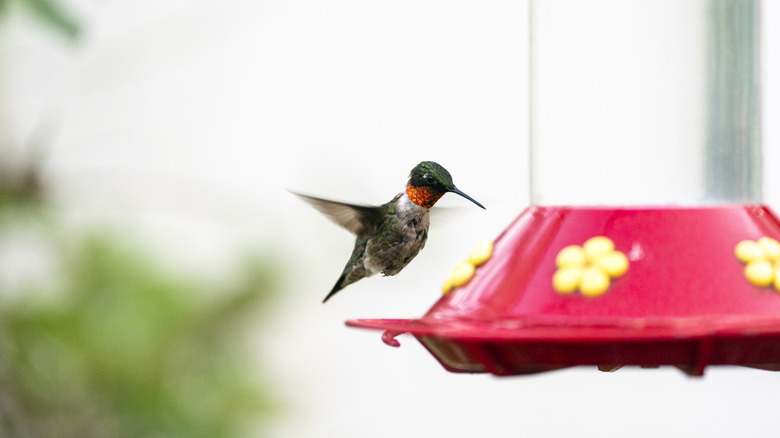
x=685 y=299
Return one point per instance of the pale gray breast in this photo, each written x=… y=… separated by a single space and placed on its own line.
x=410 y=223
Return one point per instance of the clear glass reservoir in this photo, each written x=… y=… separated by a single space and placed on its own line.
x=645 y=102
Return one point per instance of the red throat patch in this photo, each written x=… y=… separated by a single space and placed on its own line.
x=423 y=196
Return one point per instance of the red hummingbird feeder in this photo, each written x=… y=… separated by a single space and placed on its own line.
x=647 y=243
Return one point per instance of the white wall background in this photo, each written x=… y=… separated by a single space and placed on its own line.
x=183 y=121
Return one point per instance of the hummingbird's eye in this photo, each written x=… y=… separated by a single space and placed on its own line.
x=429 y=178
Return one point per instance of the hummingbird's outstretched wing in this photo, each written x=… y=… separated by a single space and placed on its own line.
x=356 y=219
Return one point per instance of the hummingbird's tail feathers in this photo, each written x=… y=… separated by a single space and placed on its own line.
x=354 y=270
x=347 y=278
x=357 y=219
x=336 y=287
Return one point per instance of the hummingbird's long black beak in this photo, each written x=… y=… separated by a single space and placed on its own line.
x=455 y=190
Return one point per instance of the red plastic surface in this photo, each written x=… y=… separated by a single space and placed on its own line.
x=684 y=300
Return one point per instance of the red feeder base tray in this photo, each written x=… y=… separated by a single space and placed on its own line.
x=684 y=300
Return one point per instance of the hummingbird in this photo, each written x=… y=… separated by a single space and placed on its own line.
x=389 y=236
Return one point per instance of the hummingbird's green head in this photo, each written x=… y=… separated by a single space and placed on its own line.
x=428 y=182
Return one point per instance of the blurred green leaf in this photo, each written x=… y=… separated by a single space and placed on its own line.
x=114 y=344
x=129 y=350
x=52 y=13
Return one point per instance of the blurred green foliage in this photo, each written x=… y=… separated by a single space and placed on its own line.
x=51 y=13
x=126 y=350
x=114 y=345
x=108 y=342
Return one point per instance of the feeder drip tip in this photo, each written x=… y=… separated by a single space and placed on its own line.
x=389 y=337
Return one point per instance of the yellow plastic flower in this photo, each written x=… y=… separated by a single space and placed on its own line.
x=572 y=255
x=588 y=268
x=762 y=261
x=482 y=252
x=567 y=279
x=465 y=270
x=462 y=273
